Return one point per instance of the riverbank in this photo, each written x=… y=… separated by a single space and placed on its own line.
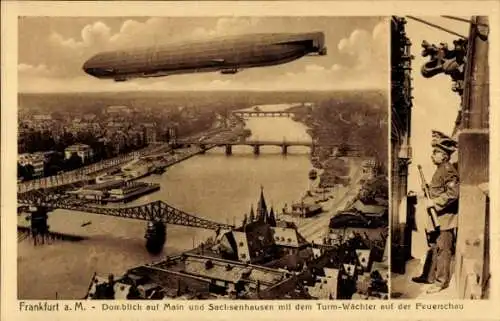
x=357 y=121
x=332 y=168
x=339 y=198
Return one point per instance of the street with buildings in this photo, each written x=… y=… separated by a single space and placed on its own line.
x=55 y=137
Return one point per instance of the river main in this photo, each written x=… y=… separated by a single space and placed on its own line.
x=214 y=186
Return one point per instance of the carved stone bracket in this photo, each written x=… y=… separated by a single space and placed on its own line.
x=443 y=60
x=403 y=163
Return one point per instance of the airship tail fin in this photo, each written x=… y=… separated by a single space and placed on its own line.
x=218 y=60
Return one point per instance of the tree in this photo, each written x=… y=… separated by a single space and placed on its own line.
x=109 y=151
x=27 y=171
x=74 y=162
x=20 y=170
x=54 y=164
x=376 y=188
x=67 y=139
x=98 y=150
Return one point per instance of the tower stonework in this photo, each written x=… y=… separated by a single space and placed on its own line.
x=401 y=98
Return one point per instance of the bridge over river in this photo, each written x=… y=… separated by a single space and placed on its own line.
x=351 y=150
x=255 y=113
x=158 y=213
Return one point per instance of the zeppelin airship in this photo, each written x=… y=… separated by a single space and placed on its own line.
x=226 y=55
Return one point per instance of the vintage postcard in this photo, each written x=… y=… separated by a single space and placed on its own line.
x=202 y=163
x=214 y=159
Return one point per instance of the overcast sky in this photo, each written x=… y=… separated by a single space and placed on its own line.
x=435 y=106
x=53 y=49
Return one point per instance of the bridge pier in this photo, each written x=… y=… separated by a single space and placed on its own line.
x=229 y=149
x=156 y=236
x=256 y=149
x=39 y=226
x=203 y=149
x=284 y=149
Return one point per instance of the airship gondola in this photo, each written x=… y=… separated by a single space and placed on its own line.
x=226 y=55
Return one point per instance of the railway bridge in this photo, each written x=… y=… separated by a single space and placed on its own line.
x=157 y=213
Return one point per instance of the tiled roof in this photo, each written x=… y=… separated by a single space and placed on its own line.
x=382 y=268
x=78 y=147
x=243 y=250
x=364 y=258
x=221 y=234
x=369 y=209
x=292 y=261
x=285 y=224
x=350 y=269
x=335 y=257
x=326 y=288
x=121 y=290
x=331 y=273
x=217 y=271
x=231 y=272
x=259 y=238
x=316 y=252
x=287 y=237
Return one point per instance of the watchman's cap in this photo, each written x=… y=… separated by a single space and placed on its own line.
x=443 y=142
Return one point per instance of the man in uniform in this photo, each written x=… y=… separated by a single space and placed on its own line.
x=443 y=190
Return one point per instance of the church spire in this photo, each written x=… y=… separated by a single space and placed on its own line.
x=271 y=219
x=262 y=207
x=252 y=214
x=245 y=220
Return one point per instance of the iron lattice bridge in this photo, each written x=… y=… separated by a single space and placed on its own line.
x=155 y=211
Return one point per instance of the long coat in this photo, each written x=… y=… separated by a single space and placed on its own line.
x=444 y=191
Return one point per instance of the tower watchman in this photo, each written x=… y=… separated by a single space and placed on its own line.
x=443 y=190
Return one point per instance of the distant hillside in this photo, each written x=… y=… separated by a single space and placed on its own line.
x=359 y=118
x=210 y=100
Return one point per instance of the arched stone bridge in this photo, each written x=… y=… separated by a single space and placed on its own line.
x=255 y=113
x=228 y=144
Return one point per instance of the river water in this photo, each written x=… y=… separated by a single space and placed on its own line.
x=214 y=186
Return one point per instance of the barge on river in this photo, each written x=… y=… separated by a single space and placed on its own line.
x=131 y=191
x=114 y=191
x=303 y=210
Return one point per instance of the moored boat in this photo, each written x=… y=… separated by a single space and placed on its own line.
x=313 y=174
x=106 y=178
x=130 y=192
x=137 y=168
